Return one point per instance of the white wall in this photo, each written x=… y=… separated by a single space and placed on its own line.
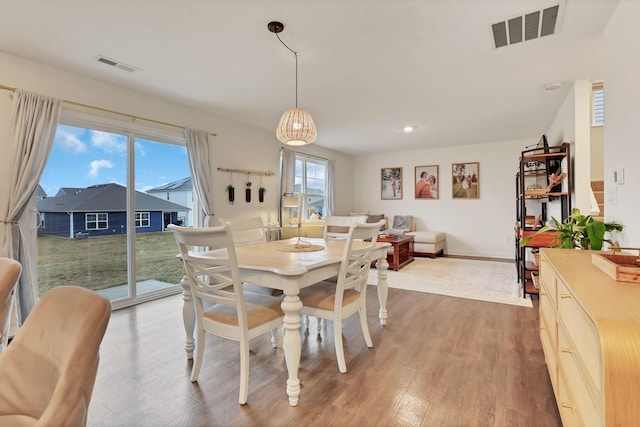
x=597 y=153
x=475 y=227
x=622 y=129
x=572 y=123
x=236 y=145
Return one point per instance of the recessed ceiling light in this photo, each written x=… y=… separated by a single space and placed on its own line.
x=553 y=86
x=408 y=129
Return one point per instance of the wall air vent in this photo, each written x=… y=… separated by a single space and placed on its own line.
x=116 y=64
x=526 y=27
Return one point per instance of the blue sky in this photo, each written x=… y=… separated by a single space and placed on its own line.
x=83 y=157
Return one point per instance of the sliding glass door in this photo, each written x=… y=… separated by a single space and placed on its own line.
x=102 y=225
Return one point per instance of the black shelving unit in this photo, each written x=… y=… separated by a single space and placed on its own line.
x=534 y=195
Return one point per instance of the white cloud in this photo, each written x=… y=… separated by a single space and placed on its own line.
x=109 y=142
x=96 y=165
x=70 y=142
x=140 y=150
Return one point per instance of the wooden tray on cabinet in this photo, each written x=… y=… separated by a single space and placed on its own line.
x=620 y=267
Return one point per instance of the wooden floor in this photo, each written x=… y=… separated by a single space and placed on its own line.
x=440 y=361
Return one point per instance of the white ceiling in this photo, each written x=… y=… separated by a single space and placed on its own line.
x=367 y=68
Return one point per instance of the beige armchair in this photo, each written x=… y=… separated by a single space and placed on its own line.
x=48 y=371
x=10 y=271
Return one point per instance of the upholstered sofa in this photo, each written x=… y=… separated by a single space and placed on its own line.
x=428 y=243
x=425 y=243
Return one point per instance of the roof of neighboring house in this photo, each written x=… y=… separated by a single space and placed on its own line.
x=68 y=190
x=103 y=198
x=40 y=193
x=179 y=185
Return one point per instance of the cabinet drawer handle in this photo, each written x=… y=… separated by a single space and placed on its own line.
x=567 y=405
x=566 y=350
x=565 y=296
x=543 y=294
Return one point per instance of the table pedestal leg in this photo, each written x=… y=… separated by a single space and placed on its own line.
x=382 y=265
x=292 y=306
x=188 y=316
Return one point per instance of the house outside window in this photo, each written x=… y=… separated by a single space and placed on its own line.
x=311 y=180
x=143 y=219
x=96 y=221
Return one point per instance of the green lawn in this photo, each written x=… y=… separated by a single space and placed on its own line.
x=100 y=262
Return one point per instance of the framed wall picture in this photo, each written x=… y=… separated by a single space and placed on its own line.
x=426 y=180
x=465 y=180
x=391 y=183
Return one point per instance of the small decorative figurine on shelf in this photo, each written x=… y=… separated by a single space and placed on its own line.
x=555 y=179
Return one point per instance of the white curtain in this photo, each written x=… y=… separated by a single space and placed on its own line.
x=199 y=163
x=287 y=184
x=287 y=180
x=33 y=122
x=331 y=188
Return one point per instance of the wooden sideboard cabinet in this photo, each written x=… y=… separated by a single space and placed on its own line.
x=590 y=333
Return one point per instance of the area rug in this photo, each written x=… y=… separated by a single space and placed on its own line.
x=491 y=281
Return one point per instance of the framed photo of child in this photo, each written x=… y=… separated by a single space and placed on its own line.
x=426 y=180
x=465 y=180
x=391 y=183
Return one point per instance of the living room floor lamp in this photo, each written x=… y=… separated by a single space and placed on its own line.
x=296 y=126
x=300 y=245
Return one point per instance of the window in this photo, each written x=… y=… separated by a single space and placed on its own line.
x=104 y=167
x=96 y=221
x=142 y=219
x=311 y=180
x=597 y=104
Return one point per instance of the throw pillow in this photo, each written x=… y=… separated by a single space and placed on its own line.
x=376 y=218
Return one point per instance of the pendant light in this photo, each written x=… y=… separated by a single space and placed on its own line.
x=296 y=126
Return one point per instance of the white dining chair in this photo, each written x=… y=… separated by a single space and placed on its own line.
x=233 y=312
x=337 y=227
x=337 y=301
x=245 y=231
x=249 y=231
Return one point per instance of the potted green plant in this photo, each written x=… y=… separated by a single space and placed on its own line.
x=232 y=193
x=247 y=192
x=578 y=231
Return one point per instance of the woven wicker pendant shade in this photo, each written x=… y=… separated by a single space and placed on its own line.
x=296 y=127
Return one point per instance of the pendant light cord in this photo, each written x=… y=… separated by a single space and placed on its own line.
x=296 y=55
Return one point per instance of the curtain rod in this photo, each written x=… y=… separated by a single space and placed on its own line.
x=311 y=156
x=244 y=172
x=13 y=89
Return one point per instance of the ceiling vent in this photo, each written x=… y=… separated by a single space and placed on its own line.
x=116 y=64
x=526 y=27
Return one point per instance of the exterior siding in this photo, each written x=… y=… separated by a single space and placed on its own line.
x=181 y=197
x=57 y=224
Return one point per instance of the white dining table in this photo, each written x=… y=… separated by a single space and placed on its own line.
x=265 y=264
